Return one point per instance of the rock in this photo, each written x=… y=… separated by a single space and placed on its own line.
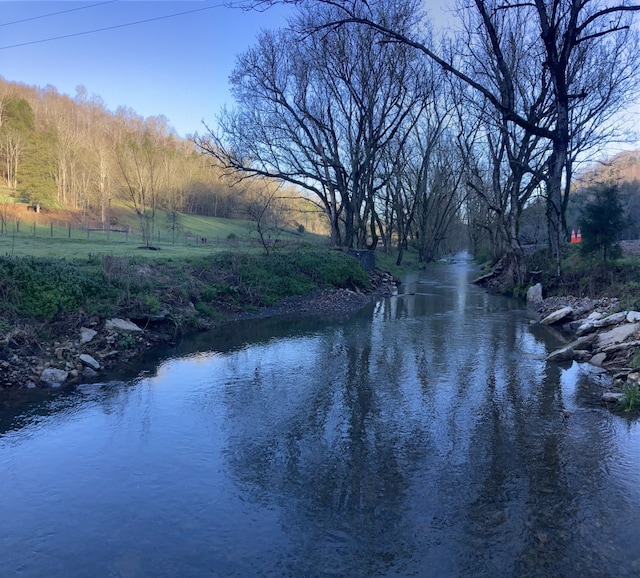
x=534 y=293
x=598 y=359
x=87 y=334
x=633 y=378
x=89 y=361
x=556 y=316
x=612 y=397
x=633 y=316
x=122 y=325
x=53 y=377
x=595 y=316
x=616 y=347
x=592 y=325
x=616 y=335
x=88 y=372
x=568 y=351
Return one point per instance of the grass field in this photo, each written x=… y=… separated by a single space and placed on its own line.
x=46 y=237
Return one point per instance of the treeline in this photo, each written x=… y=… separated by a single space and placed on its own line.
x=407 y=138
x=58 y=151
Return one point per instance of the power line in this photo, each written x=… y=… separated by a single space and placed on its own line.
x=56 y=13
x=111 y=27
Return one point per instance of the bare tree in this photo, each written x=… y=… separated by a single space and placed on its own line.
x=569 y=33
x=319 y=113
x=138 y=156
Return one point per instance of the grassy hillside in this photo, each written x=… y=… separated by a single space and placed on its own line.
x=64 y=233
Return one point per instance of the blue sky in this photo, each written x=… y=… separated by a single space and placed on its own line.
x=176 y=66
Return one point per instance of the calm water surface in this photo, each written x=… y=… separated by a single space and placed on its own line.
x=423 y=437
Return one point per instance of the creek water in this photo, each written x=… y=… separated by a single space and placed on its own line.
x=424 y=436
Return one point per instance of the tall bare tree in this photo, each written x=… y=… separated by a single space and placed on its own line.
x=139 y=159
x=319 y=113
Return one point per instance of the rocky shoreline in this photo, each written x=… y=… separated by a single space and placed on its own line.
x=96 y=346
x=598 y=333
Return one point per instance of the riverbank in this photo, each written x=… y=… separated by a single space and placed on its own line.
x=87 y=342
x=593 y=307
x=600 y=333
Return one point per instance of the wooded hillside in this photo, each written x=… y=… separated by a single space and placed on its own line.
x=73 y=153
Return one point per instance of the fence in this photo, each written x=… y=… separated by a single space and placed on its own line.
x=64 y=230
x=122 y=234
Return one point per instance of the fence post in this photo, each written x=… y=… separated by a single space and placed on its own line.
x=88 y=231
x=18 y=226
x=69 y=225
x=51 y=227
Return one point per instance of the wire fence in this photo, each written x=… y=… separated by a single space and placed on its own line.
x=124 y=234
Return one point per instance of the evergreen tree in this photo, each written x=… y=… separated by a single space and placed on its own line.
x=602 y=220
x=36 y=183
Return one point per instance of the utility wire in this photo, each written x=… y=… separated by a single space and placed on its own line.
x=111 y=27
x=56 y=13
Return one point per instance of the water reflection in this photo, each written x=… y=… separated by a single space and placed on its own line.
x=426 y=436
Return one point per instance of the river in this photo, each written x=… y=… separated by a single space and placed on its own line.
x=424 y=436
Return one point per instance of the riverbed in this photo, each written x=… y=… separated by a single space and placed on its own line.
x=425 y=435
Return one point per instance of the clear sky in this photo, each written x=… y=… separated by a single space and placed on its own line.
x=176 y=66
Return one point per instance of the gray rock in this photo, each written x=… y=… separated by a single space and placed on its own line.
x=53 y=377
x=88 y=372
x=592 y=325
x=122 y=325
x=534 y=293
x=89 y=361
x=556 y=316
x=568 y=351
x=617 y=347
x=612 y=397
x=87 y=334
x=616 y=335
x=595 y=316
x=633 y=316
x=598 y=359
x=633 y=378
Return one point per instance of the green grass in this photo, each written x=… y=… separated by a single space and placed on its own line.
x=631 y=401
x=29 y=246
x=47 y=241
x=52 y=289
